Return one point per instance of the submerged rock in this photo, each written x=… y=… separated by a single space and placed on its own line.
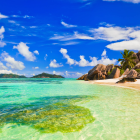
x=124 y=80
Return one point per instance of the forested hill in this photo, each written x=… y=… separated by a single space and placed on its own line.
x=46 y=75
x=11 y=76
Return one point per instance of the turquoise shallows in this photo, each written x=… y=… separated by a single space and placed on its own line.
x=100 y=112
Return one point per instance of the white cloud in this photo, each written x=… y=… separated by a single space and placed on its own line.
x=111 y=33
x=6 y=72
x=2 y=30
x=70 y=43
x=11 y=21
x=3 y=16
x=47 y=67
x=24 y=50
x=54 y=64
x=104 y=53
x=23 y=27
x=131 y=1
x=83 y=62
x=27 y=16
x=65 y=55
x=11 y=62
x=36 y=52
x=2 y=67
x=2 y=44
x=67 y=25
x=45 y=57
x=35 y=68
x=74 y=36
x=58 y=73
x=33 y=26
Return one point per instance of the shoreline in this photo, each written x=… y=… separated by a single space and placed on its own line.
x=112 y=82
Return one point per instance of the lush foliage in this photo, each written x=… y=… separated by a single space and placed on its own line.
x=138 y=70
x=46 y=75
x=121 y=71
x=11 y=76
x=128 y=59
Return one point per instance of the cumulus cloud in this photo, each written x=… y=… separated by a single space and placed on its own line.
x=36 y=52
x=54 y=64
x=70 y=61
x=2 y=67
x=2 y=30
x=3 y=16
x=67 y=25
x=24 y=50
x=5 y=72
x=131 y=1
x=11 y=62
x=83 y=62
x=35 y=68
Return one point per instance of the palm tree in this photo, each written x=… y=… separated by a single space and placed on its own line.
x=128 y=59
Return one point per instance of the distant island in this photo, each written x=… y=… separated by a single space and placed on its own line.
x=12 y=76
x=47 y=75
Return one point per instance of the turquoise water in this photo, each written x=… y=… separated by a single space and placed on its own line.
x=71 y=109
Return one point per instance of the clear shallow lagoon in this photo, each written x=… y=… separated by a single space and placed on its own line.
x=116 y=110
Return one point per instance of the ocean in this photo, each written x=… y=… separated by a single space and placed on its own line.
x=67 y=109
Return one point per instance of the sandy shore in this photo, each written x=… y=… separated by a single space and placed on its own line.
x=112 y=82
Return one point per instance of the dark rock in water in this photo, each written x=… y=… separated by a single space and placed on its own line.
x=109 y=68
x=97 y=69
x=114 y=74
x=126 y=71
x=83 y=77
x=116 y=66
x=132 y=74
x=137 y=66
x=124 y=80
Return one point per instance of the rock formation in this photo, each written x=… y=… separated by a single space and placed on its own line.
x=137 y=66
x=83 y=77
x=115 y=73
x=126 y=72
x=124 y=80
x=132 y=74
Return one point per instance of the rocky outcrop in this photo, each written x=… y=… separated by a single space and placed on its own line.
x=137 y=66
x=137 y=59
x=124 y=80
x=116 y=66
x=126 y=71
x=132 y=74
x=95 y=73
x=138 y=55
x=83 y=77
x=109 y=68
x=115 y=73
x=138 y=77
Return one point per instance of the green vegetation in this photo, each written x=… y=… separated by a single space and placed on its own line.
x=11 y=76
x=46 y=75
x=61 y=116
x=138 y=70
x=128 y=59
x=110 y=71
x=121 y=71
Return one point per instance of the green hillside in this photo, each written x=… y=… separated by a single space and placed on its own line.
x=46 y=75
x=11 y=76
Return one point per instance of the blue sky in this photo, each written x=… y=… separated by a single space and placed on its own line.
x=67 y=37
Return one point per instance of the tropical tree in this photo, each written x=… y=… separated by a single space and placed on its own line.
x=128 y=59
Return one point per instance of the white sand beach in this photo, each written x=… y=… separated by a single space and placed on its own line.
x=112 y=82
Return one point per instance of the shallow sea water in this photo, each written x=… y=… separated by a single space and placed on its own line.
x=71 y=109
